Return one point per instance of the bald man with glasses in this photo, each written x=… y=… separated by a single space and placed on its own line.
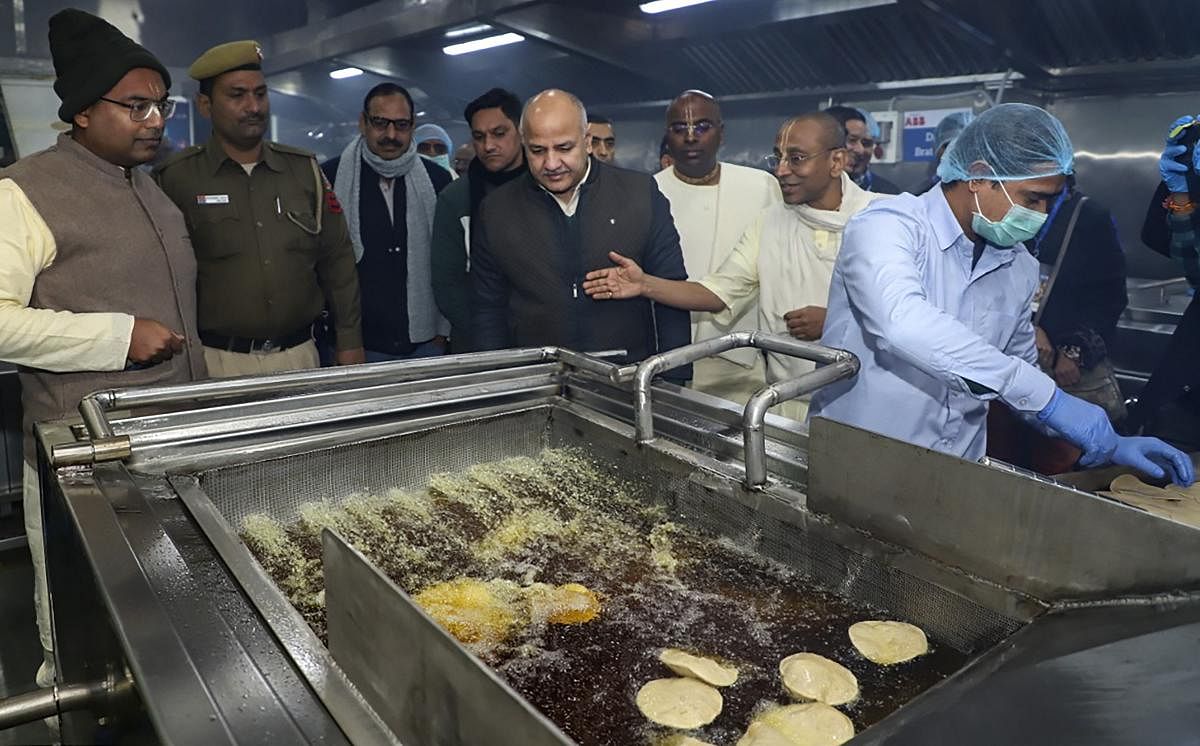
x=783 y=264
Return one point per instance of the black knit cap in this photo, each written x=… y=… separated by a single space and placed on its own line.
x=90 y=57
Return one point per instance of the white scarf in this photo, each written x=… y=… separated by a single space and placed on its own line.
x=424 y=321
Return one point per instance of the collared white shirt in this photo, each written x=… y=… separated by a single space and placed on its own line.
x=572 y=204
x=936 y=338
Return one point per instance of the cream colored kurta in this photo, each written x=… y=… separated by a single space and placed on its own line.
x=60 y=341
x=784 y=262
x=710 y=220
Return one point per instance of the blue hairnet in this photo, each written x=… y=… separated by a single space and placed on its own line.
x=433 y=132
x=1007 y=143
x=950 y=127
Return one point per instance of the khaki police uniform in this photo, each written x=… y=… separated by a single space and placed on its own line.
x=272 y=247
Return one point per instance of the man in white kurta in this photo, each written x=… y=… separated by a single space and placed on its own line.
x=782 y=263
x=713 y=203
x=785 y=259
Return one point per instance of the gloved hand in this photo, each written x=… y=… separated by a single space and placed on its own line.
x=1084 y=424
x=1173 y=172
x=1156 y=458
x=1087 y=426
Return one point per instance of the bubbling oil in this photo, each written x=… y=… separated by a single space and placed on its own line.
x=563 y=518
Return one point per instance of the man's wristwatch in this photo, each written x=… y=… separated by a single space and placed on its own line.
x=1071 y=352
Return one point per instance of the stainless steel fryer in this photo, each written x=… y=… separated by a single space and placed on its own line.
x=971 y=552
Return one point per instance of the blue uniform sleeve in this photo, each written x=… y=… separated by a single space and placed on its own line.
x=489 y=289
x=879 y=261
x=664 y=258
x=1023 y=343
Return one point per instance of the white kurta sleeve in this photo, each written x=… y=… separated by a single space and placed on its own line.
x=58 y=341
x=736 y=281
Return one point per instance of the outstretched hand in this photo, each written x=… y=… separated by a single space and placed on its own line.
x=626 y=280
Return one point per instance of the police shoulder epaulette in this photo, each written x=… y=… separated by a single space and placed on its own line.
x=290 y=150
x=180 y=156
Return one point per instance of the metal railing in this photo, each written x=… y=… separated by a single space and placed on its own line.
x=105 y=444
x=835 y=365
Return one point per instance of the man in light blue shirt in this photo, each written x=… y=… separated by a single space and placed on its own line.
x=934 y=295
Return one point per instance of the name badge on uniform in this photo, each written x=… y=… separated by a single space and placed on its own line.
x=212 y=199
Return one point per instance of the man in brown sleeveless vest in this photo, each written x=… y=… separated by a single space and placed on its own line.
x=98 y=287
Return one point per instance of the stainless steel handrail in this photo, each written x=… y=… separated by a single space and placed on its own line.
x=43 y=703
x=837 y=364
x=106 y=444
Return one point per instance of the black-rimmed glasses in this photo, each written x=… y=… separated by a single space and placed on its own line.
x=380 y=124
x=139 y=111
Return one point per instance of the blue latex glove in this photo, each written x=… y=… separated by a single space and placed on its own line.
x=1087 y=426
x=1156 y=458
x=1084 y=424
x=1173 y=172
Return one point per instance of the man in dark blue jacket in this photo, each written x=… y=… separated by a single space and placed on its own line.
x=539 y=235
x=388 y=193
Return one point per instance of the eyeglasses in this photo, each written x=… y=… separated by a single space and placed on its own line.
x=697 y=129
x=794 y=160
x=139 y=111
x=380 y=124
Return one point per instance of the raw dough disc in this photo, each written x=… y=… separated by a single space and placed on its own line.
x=812 y=676
x=886 y=643
x=809 y=724
x=679 y=703
x=698 y=667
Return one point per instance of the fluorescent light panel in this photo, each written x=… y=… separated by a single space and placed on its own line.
x=345 y=72
x=477 y=28
x=487 y=42
x=662 y=6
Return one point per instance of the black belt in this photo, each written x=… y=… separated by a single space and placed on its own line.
x=246 y=344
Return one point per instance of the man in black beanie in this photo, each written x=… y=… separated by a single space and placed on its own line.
x=99 y=283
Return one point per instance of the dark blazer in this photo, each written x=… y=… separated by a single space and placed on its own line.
x=528 y=261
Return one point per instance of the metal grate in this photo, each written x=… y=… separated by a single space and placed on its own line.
x=279 y=487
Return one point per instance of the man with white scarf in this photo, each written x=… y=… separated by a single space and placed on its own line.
x=389 y=193
x=784 y=260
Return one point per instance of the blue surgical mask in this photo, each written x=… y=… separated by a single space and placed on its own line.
x=1018 y=224
x=443 y=161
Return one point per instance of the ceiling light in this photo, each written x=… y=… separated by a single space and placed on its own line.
x=478 y=28
x=487 y=42
x=345 y=72
x=662 y=6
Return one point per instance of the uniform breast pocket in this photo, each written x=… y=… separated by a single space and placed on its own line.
x=217 y=231
x=298 y=225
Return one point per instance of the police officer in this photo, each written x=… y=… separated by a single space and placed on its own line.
x=272 y=247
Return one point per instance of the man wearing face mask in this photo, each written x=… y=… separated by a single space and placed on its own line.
x=434 y=143
x=934 y=295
